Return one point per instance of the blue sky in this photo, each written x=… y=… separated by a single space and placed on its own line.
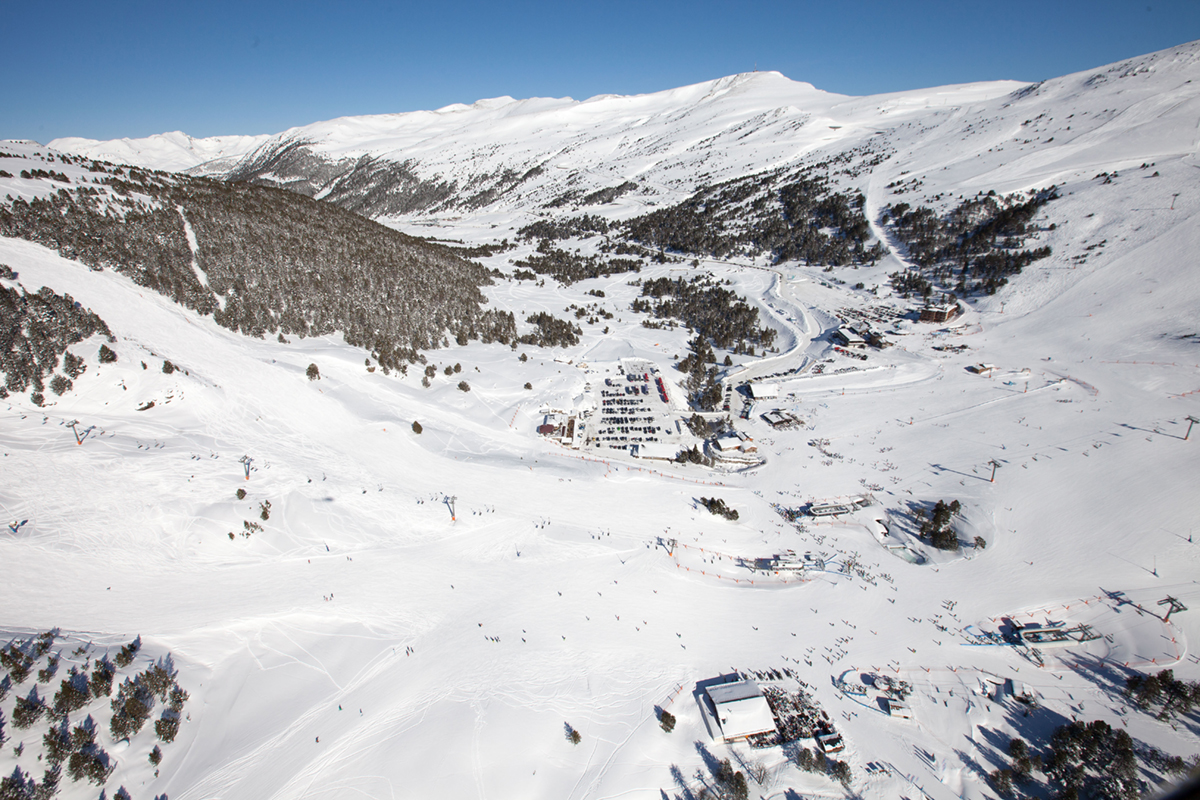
x=111 y=69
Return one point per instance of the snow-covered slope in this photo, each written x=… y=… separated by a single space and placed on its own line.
x=514 y=156
x=173 y=152
x=422 y=614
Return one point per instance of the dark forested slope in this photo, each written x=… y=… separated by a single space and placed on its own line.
x=264 y=261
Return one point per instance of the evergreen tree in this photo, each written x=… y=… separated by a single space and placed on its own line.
x=128 y=651
x=73 y=693
x=102 y=677
x=17 y=786
x=57 y=741
x=28 y=709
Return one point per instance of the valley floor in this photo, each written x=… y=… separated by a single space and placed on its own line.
x=420 y=615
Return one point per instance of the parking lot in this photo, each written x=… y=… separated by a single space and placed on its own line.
x=633 y=409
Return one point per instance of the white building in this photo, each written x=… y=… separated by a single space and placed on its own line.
x=849 y=337
x=735 y=443
x=764 y=391
x=741 y=710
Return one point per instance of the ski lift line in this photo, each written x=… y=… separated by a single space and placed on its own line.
x=971 y=408
x=1154 y=363
x=1030 y=451
x=671 y=697
x=1066 y=605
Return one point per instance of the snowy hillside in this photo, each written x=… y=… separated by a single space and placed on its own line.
x=174 y=152
x=464 y=579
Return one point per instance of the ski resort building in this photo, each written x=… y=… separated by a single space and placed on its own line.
x=780 y=420
x=831 y=509
x=735 y=443
x=849 y=337
x=940 y=312
x=655 y=451
x=1049 y=635
x=764 y=391
x=741 y=710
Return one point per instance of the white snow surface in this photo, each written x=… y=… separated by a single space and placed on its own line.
x=365 y=644
x=174 y=151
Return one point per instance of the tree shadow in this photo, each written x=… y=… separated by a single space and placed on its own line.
x=970 y=762
x=1034 y=724
x=711 y=762
x=681 y=782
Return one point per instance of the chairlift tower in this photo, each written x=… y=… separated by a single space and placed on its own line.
x=1190 y=421
x=450 y=502
x=1173 y=605
x=246 y=461
x=72 y=425
x=995 y=466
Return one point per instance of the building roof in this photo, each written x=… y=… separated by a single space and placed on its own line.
x=661 y=450
x=762 y=391
x=741 y=709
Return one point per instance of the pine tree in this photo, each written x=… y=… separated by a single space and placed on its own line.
x=29 y=709
x=128 y=651
x=73 y=693
x=57 y=741
x=17 y=786
x=102 y=677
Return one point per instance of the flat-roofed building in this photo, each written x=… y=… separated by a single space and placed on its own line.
x=940 y=312
x=742 y=710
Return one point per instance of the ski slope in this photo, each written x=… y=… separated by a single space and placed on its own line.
x=366 y=643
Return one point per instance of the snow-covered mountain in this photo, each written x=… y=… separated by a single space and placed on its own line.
x=518 y=155
x=365 y=594
x=173 y=152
